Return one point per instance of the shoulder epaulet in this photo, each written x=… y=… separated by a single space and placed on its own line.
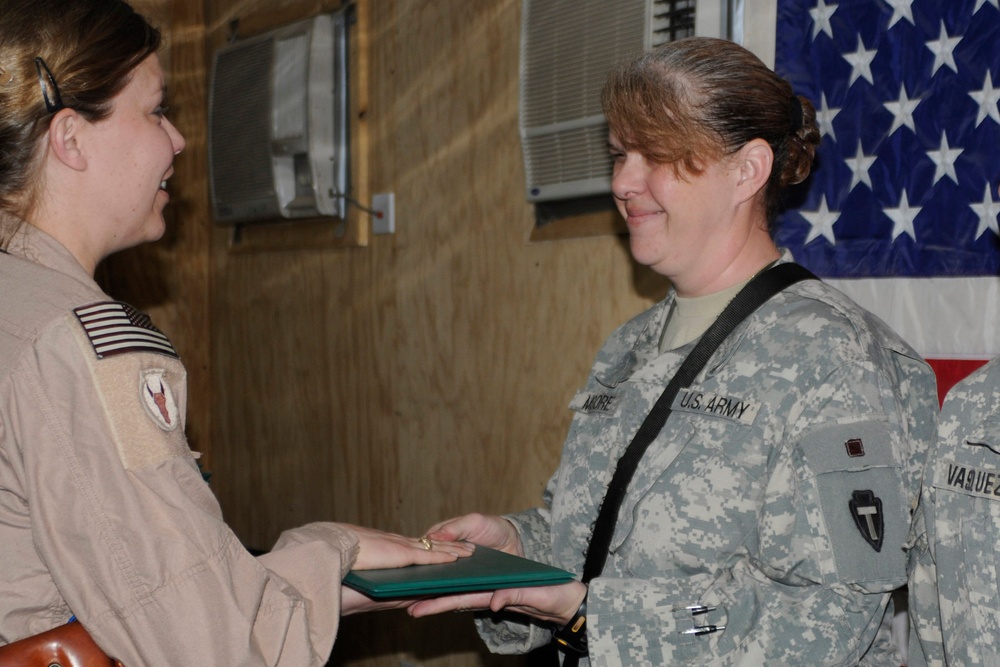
x=115 y=328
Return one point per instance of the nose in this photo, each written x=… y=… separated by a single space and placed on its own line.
x=176 y=138
x=626 y=178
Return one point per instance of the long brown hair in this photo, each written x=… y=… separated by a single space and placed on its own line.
x=696 y=100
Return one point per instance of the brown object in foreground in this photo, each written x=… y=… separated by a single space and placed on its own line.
x=68 y=645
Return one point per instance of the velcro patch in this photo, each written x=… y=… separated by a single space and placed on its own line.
x=715 y=405
x=115 y=328
x=607 y=404
x=980 y=482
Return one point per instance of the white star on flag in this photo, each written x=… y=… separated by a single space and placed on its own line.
x=859 y=166
x=861 y=63
x=902 y=218
x=944 y=160
x=821 y=18
x=901 y=9
x=902 y=111
x=824 y=117
x=822 y=222
x=987 y=99
x=987 y=212
x=944 y=50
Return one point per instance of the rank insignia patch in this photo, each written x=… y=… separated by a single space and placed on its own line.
x=115 y=328
x=866 y=508
x=855 y=447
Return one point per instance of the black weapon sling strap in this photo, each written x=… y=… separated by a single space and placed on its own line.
x=755 y=293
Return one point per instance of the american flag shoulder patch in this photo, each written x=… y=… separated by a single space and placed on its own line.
x=116 y=328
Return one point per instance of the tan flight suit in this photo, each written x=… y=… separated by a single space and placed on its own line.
x=103 y=511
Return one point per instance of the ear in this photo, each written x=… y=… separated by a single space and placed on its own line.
x=65 y=143
x=754 y=162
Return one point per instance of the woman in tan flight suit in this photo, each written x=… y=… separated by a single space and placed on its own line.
x=103 y=512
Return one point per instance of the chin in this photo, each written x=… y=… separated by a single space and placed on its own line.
x=149 y=233
x=645 y=255
x=657 y=262
x=156 y=226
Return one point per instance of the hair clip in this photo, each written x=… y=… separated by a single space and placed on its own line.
x=795 y=113
x=46 y=81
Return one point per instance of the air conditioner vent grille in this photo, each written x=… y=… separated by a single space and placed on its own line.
x=582 y=152
x=240 y=159
x=672 y=20
x=277 y=129
x=568 y=48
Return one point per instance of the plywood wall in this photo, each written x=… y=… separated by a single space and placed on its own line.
x=422 y=375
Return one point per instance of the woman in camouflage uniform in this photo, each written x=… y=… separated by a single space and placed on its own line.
x=765 y=524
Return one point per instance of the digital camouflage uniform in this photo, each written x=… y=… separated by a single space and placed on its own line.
x=103 y=511
x=779 y=492
x=954 y=587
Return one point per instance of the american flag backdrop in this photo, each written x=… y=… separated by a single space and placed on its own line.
x=901 y=211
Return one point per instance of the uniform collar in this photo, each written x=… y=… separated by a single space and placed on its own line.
x=645 y=346
x=31 y=243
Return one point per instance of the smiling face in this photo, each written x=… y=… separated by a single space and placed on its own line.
x=130 y=156
x=680 y=224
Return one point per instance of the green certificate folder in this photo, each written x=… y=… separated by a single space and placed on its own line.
x=485 y=570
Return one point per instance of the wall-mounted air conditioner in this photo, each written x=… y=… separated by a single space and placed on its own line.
x=278 y=124
x=567 y=50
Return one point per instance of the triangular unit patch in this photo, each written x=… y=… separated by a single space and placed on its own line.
x=866 y=509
